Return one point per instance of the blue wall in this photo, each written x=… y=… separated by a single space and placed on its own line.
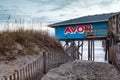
x=99 y=29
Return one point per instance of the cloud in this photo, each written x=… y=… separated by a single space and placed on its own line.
x=57 y=3
x=87 y=7
x=56 y=10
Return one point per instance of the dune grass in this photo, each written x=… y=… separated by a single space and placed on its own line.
x=26 y=42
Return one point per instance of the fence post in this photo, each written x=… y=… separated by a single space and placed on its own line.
x=14 y=76
x=44 y=62
x=17 y=75
x=29 y=71
x=24 y=73
x=21 y=75
x=10 y=77
x=5 y=78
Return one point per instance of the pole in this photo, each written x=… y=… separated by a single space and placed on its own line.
x=106 y=48
x=91 y=47
x=93 y=51
x=82 y=50
x=88 y=49
x=44 y=62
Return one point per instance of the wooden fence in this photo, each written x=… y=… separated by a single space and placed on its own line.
x=36 y=69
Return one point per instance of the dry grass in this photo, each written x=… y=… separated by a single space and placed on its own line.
x=26 y=42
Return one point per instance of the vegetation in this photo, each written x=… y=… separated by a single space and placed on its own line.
x=26 y=42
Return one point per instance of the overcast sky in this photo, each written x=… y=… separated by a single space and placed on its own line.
x=55 y=10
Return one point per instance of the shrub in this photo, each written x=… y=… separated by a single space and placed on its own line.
x=26 y=42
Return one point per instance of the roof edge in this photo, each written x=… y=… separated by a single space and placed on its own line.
x=53 y=26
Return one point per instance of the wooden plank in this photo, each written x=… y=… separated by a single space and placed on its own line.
x=44 y=62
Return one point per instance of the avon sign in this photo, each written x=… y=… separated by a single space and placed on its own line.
x=80 y=29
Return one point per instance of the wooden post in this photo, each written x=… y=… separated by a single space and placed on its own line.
x=91 y=47
x=26 y=72
x=35 y=69
x=23 y=73
x=88 y=49
x=82 y=50
x=44 y=62
x=10 y=78
x=17 y=74
x=78 y=50
x=106 y=48
x=21 y=77
x=29 y=71
x=14 y=76
x=93 y=51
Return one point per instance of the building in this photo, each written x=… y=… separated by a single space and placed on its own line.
x=86 y=27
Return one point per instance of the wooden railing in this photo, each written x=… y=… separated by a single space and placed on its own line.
x=36 y=69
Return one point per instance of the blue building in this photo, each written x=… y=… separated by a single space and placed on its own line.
x=86 y=27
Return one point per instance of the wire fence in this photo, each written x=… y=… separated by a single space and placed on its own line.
x=36 y=69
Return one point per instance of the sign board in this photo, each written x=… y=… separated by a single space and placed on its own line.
x=79 y=31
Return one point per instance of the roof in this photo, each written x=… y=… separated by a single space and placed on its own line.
x=85 y=19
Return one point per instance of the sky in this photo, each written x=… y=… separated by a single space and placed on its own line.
x=51 y=11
